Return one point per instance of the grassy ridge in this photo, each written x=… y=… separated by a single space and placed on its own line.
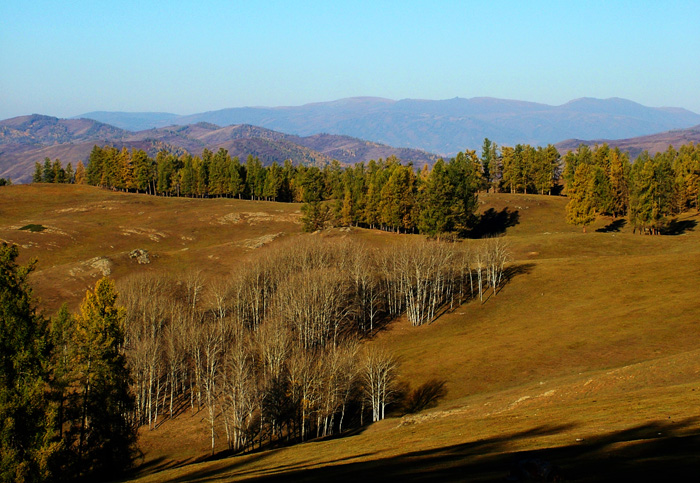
x=588 y=357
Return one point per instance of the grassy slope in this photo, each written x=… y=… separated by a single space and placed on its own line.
x=595 y=340
x=84 y=222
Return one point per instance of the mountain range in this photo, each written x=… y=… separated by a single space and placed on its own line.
x=27 y=139
x=438 y=126
x=278 y=134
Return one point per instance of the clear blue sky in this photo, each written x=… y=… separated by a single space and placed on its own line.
x=68 y=58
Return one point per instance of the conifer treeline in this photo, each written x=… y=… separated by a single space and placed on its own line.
x=380 y=194
x=602 y=181
x=54 y=172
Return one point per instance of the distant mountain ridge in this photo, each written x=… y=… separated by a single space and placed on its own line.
x=653 y=143
x=442 y=126
x=27 y=139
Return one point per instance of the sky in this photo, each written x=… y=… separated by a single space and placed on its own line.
x=68 y=58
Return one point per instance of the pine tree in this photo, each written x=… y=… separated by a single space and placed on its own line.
x=38 y=176
x=487 y=162
x=188 y=177
x=47 y=175
x=508 y=169
x=105 y=434
x=59 y=174
x=464 y=173
x=126 y=179
x=580 y=210
x=436 y=202
x=619 y=189
x=236 y=181
x=27 y=443
x=143 y=171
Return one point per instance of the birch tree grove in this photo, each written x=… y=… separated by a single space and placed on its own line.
x=272 y=353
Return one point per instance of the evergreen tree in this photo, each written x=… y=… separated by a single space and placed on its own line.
x=48 y=175
x=619 y=189
x=166 y=169
x=315 y=216
x=651 y=200
x=93 y=174
x=105 y=436
x=236 y=178
x=188 y=181
x=602 y=190
x=255 y=179
x=487 y=162
x=38 y=175
x=273 y=182
x=59 y=174
x=144 y=174
x=397 y=199
x=27 y=443
x=126 y=179
x=580 y=210
x=464 y=173
x=508 y=169
x=436 y=202
x=686 y=168
x=219 y=173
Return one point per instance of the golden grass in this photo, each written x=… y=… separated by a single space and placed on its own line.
x=589 y=356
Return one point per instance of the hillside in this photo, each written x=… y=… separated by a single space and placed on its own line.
x=28 y=139
x=654 y=143
x=587 y=358
x=445 y=126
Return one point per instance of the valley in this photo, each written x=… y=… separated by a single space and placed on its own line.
x=586 y=358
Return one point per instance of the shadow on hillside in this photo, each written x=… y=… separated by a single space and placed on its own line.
x=679 y=227
x=657 y=451
x=493 y=223
x=509 y=273
x=613 y=227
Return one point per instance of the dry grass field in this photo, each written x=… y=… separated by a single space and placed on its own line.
x=588 y=358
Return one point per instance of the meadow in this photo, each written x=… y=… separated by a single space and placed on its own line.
x=588 y=357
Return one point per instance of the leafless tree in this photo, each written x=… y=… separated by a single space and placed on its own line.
x=379 y=369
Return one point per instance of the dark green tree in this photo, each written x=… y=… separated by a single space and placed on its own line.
x=27 y=442
x=38 y=175
x=48 y=175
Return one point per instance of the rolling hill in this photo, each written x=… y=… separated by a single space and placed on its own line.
x=442 y=126
x=28 y=139
x=586 y=359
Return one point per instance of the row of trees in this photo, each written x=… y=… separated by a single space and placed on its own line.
x=602 y=181
x=65 y=402
x=519 y=169
x=54 y=172
x=274 y=352
x=381 y=194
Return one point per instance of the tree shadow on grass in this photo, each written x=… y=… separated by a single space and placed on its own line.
x=613 y=227
x=493 y=223
x=441 y=464
x=656 y=451
x=679 y=227
x=425 y=396
x=509 y=273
